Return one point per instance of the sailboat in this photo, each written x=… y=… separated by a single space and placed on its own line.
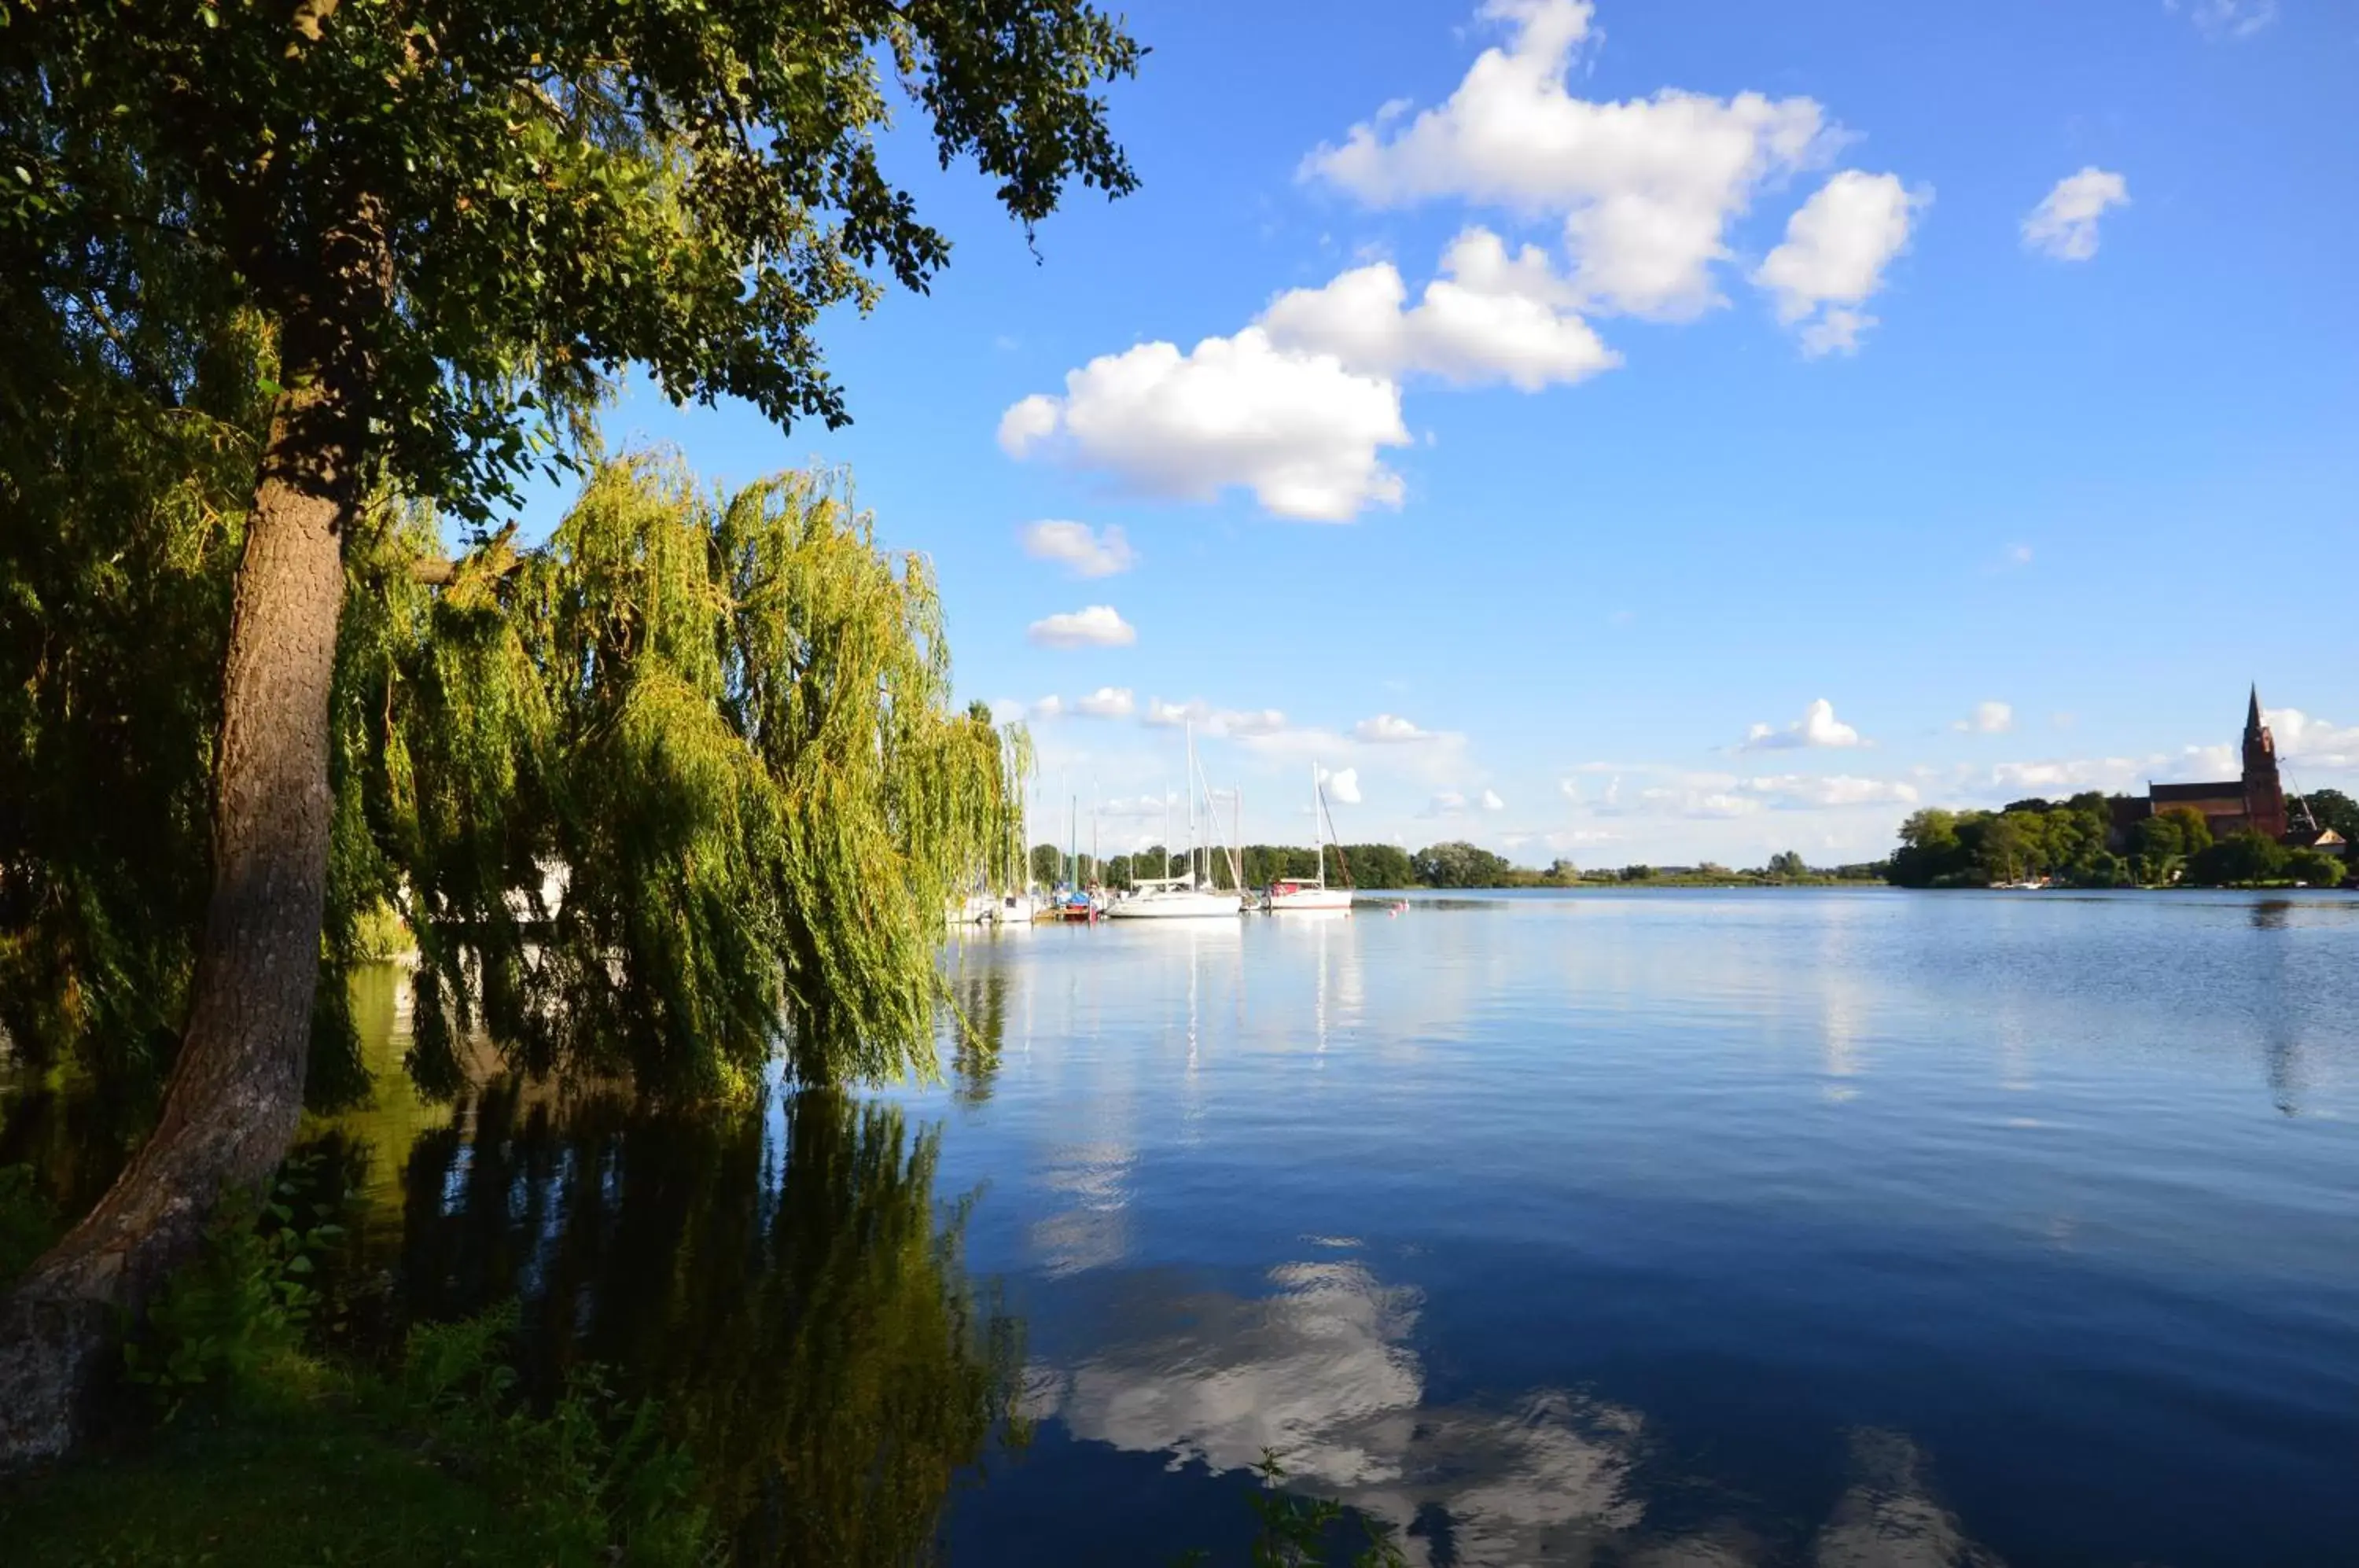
x=1179 y=897
x=1295 y=895
x=1016 y=904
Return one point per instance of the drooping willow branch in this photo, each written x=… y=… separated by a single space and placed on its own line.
x=681 y=787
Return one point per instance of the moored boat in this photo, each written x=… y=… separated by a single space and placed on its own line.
x=1297 y=895
x=1180 y=898
x=1173 y=898
x=1287 y=897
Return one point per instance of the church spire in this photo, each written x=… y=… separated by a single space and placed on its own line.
x=2265 y=807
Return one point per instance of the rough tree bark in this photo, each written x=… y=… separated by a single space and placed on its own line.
x=237 y=1088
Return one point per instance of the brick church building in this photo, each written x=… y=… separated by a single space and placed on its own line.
x=2256 y=800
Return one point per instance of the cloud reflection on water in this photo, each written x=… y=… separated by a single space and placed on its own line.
x=1320 y=1371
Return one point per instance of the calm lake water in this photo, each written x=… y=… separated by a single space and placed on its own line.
x=1848 y=1227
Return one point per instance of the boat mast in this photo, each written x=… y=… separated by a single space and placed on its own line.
x=1238 y=841
x=1318 y=844
x=1192 y=805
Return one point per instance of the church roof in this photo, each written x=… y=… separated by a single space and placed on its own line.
x=2225 y=790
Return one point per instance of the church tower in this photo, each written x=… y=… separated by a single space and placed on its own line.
x=2264 y=806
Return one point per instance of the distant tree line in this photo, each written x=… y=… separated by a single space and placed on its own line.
x=1455 y=863
x=2071 y=842
x=1371 y=865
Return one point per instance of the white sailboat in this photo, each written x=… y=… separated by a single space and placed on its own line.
x=1179 y=897
x=1015 y=904
x=1295 y=895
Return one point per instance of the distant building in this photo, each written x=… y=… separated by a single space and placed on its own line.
x=2256 y=801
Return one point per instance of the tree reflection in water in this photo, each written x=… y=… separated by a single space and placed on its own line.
x=975 y=1024
x=781 y=1279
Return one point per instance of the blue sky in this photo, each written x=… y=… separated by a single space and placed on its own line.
x=1823 y=409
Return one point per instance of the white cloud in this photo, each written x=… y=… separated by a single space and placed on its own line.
x=1681 y=794
x=2317 y=745
x=1988 y=718
x=1706 y=804
x=1249 y=721
x=2065 y=224
x=2204 y=762
x=1028 y=422
x=1243 y=723
x=1047 y=708
x=1720 y=797
x=2018 y=555
x=1172 y=716
x=1299 y=430
x=1143 y=807
x=1387 y=729
x=1496 y=317
x=1433 y=758
x=1833 y=260
x=1645 y=187
x=2230 y=19
x=2313 y=742
x=2070 y=776
x=1084 y=553
x=1458 y=804
x=1342 y=786
x=1835 y=330
x=1300 y=406
x=1798 y=791
x=1096 y=627
x=1105 y=703
x=1818 y=726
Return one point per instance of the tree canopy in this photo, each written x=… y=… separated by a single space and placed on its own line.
x=558 y=189
x=717 y=728
x=2243 y=858
x=1459 y=865
x=370 y=250
x=2029 y=839
x=2333 y=810
x=720 y=726
x=2070 y=842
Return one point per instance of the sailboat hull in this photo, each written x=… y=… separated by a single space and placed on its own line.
x=1175 y=905
x=1304 y=900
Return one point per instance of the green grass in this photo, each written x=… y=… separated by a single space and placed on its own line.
x=318 y=1482
x=238 y=1443
x=319 y=1466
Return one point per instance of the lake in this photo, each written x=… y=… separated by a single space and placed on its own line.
x=1850 y=1227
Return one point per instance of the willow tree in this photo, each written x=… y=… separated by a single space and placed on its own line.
x=679 y=789
x=448 y=220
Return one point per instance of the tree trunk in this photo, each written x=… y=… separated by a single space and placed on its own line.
x=237 y=1087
